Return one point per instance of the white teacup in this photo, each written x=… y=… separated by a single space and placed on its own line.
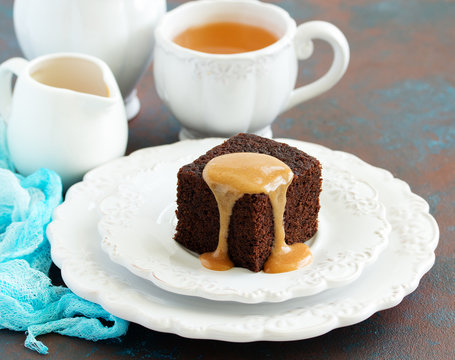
x=66 y=114
x=224 y=94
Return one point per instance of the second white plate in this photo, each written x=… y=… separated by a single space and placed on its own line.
x=88 y=272
x=138 y=224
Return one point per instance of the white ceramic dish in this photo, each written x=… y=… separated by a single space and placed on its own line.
x=87 y=270
x=139 y=220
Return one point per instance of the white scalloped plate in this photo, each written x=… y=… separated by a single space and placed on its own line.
x=88 y=271
x=139 y=220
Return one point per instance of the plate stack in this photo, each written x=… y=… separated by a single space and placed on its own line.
x=113 y=240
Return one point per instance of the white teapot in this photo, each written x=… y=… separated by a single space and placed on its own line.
x=120 y=32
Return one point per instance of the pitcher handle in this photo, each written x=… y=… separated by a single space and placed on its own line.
x=9 y=68
x=303 y=43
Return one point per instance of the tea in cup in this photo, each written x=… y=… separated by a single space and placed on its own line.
x=225 y=38
x=229 y=66
x=66 y=114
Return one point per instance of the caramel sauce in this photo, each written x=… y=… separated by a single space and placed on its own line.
x=225 y=38
x=74 y=74
x=231 y=176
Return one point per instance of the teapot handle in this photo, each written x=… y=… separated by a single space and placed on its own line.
x=303 y=43
x=9 y=68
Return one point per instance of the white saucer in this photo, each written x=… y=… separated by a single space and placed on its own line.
x=139 y=221
x=87 y=270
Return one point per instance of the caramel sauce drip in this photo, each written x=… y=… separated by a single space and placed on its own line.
x=231 y=176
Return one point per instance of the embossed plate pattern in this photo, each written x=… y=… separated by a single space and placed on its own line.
x=88 y=271
x=138 y=224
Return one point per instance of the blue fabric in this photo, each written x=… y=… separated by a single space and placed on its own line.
x=28 y=300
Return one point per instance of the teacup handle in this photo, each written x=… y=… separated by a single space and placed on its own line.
x=303 y=43
x=9 y=68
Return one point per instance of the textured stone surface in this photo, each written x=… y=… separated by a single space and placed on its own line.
x=395 y=108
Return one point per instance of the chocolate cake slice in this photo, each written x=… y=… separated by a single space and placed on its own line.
x=251 y=232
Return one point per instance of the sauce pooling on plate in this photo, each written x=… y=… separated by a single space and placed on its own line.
x=231 y=176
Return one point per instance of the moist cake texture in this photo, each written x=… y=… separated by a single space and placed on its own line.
x=251 y=229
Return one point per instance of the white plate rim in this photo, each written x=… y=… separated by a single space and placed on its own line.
x=351 y=249
x=180 y=315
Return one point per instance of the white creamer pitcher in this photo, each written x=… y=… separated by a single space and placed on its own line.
x=66 y=114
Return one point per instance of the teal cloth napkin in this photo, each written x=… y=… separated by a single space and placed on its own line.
x=28 y=300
